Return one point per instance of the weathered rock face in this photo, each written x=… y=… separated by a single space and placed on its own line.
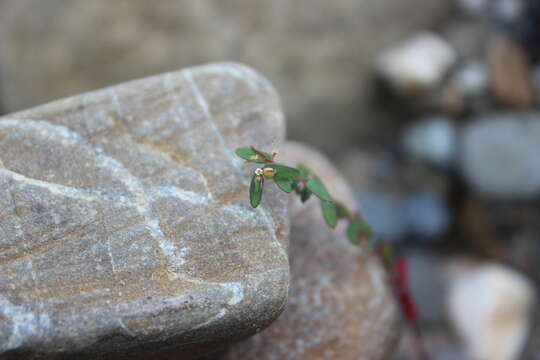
x=339 y=306
x=319 y=54
x=125 y=225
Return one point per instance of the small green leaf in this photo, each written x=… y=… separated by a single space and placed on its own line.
x=329 y=213
x=265 y=155
x=256 y=190
x=356 y=229
x=304 y=171
x=285 y=172
x=305 y=194
x=284 y=184
x=342 y=211
x=316 y=187
x=249 y=155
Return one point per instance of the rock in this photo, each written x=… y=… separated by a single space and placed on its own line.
x=505 y=11
x=427 y=286
x=126 y=229
x=416 y=64
x=472 y=79
x=499 y=156
x=339 y=304
x=428 y=216
x=319 y=54
x=510 y=74
x=385 y=213
x=490 y=307
x=433 y=140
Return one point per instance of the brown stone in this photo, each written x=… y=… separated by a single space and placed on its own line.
x=510 y=74
x=339 y=305
x=125 y=228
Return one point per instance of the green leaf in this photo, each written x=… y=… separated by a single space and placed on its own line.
x=342 y=211
x=265 y=155
x=356 y=229
x=248 y=154
x=316 y=187
x=304 y=171
x=256 y=190
x=285 y=172
x=305 y=194
x=329 y=212
x=284 y=184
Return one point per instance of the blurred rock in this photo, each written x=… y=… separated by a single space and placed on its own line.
x=467 y=90
x=427 y=215
x=126 y=229
x=510 y=71
x=490 y=307
x=339 y=305
x=433 y=140
x=427 y=286
x=318 y=53
x=385 y=214
x=499 y=156
x=416 y=64
x=472 y=78
x=394 y=216
x=505 y=11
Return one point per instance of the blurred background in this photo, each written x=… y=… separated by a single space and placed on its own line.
x=429 y=107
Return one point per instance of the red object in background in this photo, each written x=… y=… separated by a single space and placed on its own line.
x=402 y=293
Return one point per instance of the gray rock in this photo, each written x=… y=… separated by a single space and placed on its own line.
x=319 y=54
x=125 y=225
x=433 y=140
x=339 y=305
x=428 y=216
x=499 y=155
x=472 y=79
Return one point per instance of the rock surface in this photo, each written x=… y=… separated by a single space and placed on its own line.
x=339 y=305
x=318 y=53
x=125 y=225
x=500 y=155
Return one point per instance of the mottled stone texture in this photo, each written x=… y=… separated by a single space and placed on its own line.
x=318 y=53
x=124 y=222
x=339 y=306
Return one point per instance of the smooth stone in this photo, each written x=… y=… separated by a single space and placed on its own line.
x=490 y=307
x=499 y=155
x=317 y=53
x=416 y=64
x=340 y=306
x=126 y=227
x=432 y=140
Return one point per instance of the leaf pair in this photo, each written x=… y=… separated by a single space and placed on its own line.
x=253 y=155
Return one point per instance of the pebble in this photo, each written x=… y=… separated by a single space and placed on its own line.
x=499 y=155
x=416 y=64
x=432 y=140
x=490 y=308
